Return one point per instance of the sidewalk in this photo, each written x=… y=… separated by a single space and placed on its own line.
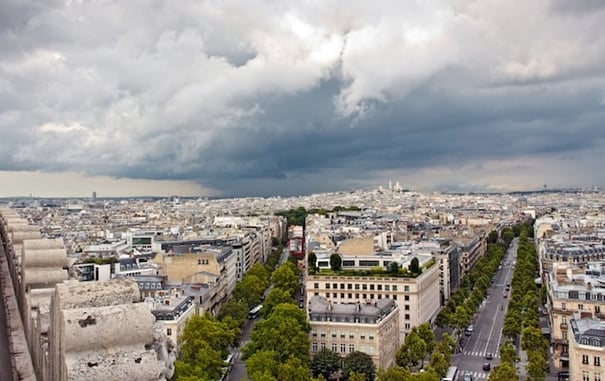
x=522 y=364
x=522 y=367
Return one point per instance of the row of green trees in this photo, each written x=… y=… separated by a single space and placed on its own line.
x=279 y=343
x=419 y=344
x=207 y=340
x=329 y=365
x=522 y=318
x=463 y=304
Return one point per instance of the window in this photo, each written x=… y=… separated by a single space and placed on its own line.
x=563 y=306
x=407 y=307
x=334 y=295
x=168 y=331
x=199 y=261
x=597 y=309
x=334 y=347
x=357 y=286
x=371 y=287
x=387 y=287
x=322 y=345
x=597 y=376
x=322 y=333
x=371 y=336
x=379 y=287
x=585 y=376
x=349 y=286
x=343 y=348
x=356 y=296
x=351 y=348
x=333 y=333
x=365 y=296
x=342 y=295
x=362 y=335
x=597 y=361
x=351 y=335
x=394 y=297
x=342 y=286
x=314 y=333
x=364 y=286
x=335 y=286
x=394 y=287
x=580 y=307
x=350 y=296
x=407 y=325
x=407 y=316
x=584 y=359
x=406 y=288
x=342 y=334
x=328 y=286
x=371 y=296
x=314 y=347
x=316 y=285
x=368 y=263
x=406 y=298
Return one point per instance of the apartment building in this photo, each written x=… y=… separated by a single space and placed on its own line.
x=172 y=309
x=214 y=266
x=587 y=349
x=470 y=251
x=572 y=290
x=417 y=298
x=344 y=328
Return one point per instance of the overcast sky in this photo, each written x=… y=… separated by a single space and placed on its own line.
x=243 y=98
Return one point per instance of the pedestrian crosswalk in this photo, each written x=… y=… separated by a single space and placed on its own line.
x=480 y=354
x=476 y=375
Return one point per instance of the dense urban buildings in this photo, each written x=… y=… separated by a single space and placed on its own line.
x=371 y=272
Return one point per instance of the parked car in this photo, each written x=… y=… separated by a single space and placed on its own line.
x=489 y=356
x=487 y=366
x=467 y=377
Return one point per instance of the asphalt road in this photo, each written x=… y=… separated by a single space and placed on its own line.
x=487 y=333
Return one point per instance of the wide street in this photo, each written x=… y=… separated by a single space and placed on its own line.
x=487 y=324
x=238 y=371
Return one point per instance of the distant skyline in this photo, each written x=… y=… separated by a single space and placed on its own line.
x=262 y=98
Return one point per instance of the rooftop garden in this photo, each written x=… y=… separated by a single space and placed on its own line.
x=394 y=270
x=100 y=261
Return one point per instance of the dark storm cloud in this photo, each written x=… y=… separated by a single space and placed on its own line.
x=291 y=98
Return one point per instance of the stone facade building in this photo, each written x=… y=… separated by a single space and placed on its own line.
x=417 y=298
x=587 y=349
x=344 y=328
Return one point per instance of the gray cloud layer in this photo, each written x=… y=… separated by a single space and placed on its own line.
x=263 y=97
